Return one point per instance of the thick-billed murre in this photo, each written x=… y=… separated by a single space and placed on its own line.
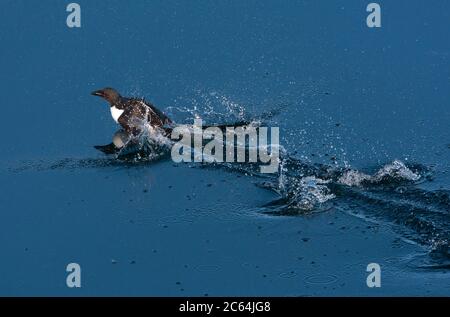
x=133 y=113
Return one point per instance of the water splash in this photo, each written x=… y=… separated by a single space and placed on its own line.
x=392 y=172
x=211 y=106
x=388 y=194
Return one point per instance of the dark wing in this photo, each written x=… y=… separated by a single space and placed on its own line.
x=137 y=112
x=133 y=119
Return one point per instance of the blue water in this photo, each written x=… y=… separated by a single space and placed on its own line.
x=349 y=98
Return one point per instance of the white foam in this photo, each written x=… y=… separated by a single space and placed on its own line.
x=396 y=169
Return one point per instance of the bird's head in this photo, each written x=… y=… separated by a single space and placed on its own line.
x=109 y=94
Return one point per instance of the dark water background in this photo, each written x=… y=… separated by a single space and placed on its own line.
x=349 y=97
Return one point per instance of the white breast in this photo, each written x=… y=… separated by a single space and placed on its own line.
x=116 y=113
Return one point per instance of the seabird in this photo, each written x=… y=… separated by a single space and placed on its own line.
x=133 y=113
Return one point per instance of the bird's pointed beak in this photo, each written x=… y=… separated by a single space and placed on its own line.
x=98 y=93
